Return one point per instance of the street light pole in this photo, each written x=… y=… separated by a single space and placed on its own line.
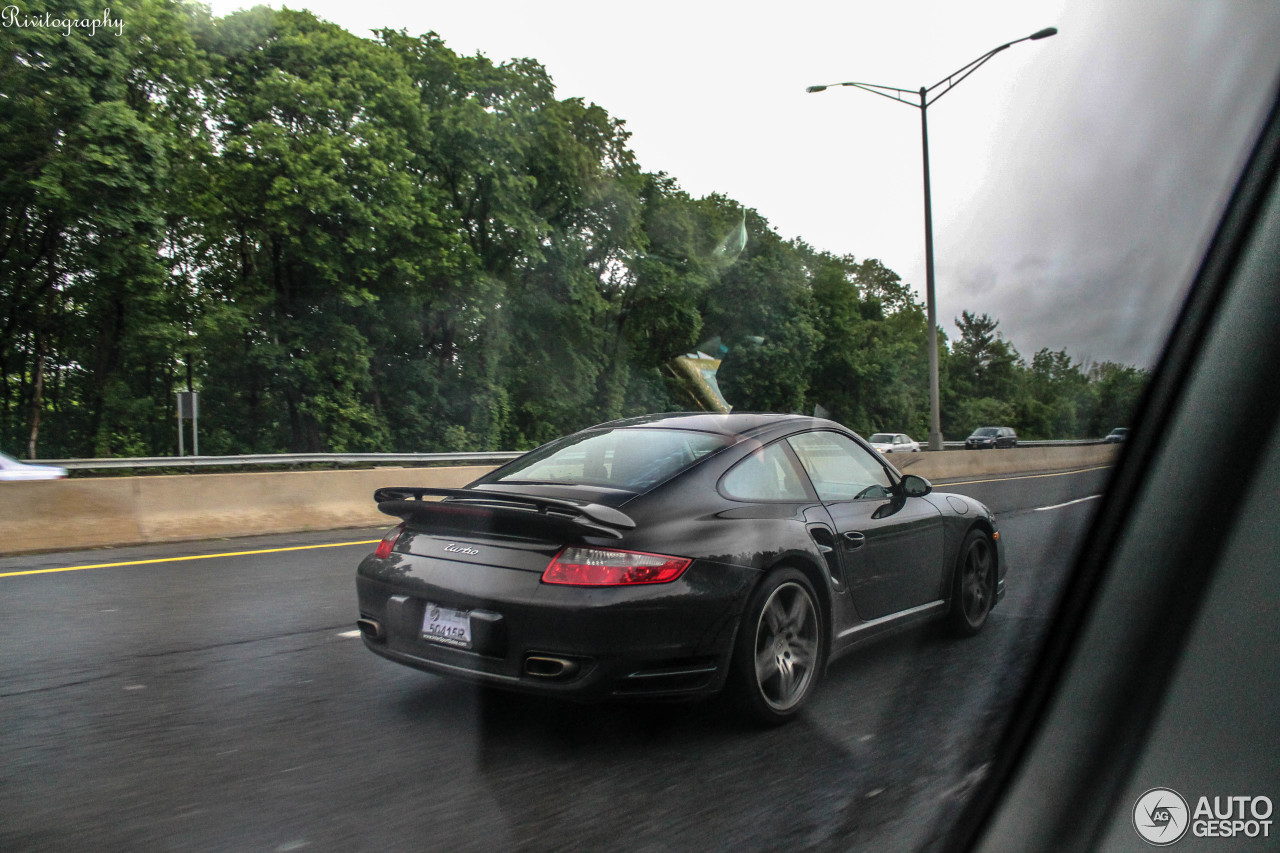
x=946 y=84
x=931 y=311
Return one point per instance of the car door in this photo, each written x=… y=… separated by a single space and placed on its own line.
x=890 y=548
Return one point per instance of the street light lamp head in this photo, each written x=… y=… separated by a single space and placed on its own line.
x=812 y=89
x=1044 y=34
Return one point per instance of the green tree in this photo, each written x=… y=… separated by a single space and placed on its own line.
x=982 y=379
x=90 y=131
x=313 y=213
x=1119 y=389
x=378 y=244
x=761 y=306
x=870 y=370
x=1056 y=399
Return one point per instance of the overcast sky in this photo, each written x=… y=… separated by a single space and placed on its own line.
x=1075 y=178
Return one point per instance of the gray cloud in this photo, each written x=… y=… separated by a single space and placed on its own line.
x=1111 y=185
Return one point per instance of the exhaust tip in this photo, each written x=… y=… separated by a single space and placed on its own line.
x=543 y=666
x=370 y=629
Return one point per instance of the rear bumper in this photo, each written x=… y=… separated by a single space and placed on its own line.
x=659 y=641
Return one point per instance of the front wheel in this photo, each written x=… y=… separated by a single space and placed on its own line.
x=780 y=648
x=973 y=592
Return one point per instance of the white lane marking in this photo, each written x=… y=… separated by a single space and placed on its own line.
x=355 y=633
x=1068 y=503
x=945 y=482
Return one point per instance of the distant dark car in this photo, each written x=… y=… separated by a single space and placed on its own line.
x=985 y=438
x=672 y=556
x=1117 y=435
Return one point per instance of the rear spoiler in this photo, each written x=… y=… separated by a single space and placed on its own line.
x=477 y=511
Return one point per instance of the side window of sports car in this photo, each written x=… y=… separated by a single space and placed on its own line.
x=768 y=474
x=840 y=468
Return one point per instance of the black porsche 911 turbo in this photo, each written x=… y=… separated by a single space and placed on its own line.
x=673 y=556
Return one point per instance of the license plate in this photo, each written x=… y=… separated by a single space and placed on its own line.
x=446 y=625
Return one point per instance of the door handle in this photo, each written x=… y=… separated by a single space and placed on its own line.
x=854 y=539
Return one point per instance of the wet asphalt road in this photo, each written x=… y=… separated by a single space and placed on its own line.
x=220 y=704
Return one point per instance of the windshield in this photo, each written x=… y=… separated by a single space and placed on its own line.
x=882 y=438
x=986 y=431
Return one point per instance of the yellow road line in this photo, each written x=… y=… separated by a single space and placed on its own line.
x=1028 y=476
x=183 y=559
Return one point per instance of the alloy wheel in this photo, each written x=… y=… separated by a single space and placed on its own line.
x=786 y=647
x=975 y=583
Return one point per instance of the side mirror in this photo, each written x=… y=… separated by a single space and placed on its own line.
x=915 y=487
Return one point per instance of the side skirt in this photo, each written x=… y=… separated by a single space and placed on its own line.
x=864 y=632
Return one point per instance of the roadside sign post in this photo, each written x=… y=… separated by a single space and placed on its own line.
x=189 y=409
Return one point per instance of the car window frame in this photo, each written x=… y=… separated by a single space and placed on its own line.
x=1056 y=780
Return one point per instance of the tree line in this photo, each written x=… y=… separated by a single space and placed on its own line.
x=376 y=244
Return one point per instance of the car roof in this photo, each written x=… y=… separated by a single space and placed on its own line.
x=738 y=424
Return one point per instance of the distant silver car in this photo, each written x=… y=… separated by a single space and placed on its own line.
x=1117 y=435
x=12 y=469
x=893 y=442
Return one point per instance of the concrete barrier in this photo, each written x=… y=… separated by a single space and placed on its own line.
x=77 y=513
x=955 y=464
x=64 y=515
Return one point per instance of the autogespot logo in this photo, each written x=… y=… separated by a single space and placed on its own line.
x=1160 y=816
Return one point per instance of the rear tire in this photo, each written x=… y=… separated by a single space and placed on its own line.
x=973 y=591
x=780 y=650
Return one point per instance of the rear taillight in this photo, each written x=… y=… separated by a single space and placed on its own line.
x=388 y=542
x=606 y=567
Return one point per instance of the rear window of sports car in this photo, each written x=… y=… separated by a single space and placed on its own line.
x=634 y=460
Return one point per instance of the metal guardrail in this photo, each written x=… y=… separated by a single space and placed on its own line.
x=477 y=458
x=1065 y=442
x=286 y=459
